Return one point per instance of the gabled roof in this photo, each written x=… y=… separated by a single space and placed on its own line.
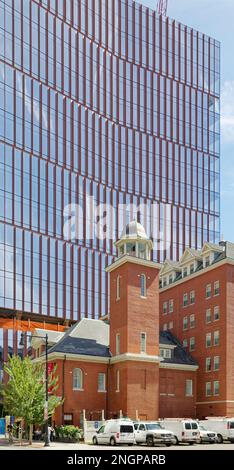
x=169 y=266
x=180 y=355
x=211 y=247
x=190 y=253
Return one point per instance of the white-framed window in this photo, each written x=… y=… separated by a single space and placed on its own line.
x=170 y=325
x=216 y=288
x=216 y=387
x=185 y=343
x=208 y=364
x=192 y=268
x=166 y=353
x=208 y=315
x=208 y=389
x=192 y=344
x=117 y=380
x=118 y=288
x=117 y=343
x=216 y=313
x=165 y=327
x=143 y=285
x=189 y=388
x=208 y=291
x=207 y=261
x=164 y=308
x=208 y=340
x=78 y=379
x=185 y=323
x=216 y=338
x=185 y=272
x=185 y=300
x=216 y=362
x=192 y=297
x=143 y=342
x=192 y=320
x=171 y=279
x=101 y=382
x=164 y=282
x=171 y=306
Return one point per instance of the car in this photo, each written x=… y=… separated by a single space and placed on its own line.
x=207 y=435
x=114 y=432
x=184 y=429
x=152 y=433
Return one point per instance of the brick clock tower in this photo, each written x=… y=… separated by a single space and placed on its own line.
x=133 y=381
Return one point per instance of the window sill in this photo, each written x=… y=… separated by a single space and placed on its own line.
x=78 y=389
x=102 y=391
x=143 y=297
x=117 y=391
x=189 y=396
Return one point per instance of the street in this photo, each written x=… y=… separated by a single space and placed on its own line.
x=83 y=447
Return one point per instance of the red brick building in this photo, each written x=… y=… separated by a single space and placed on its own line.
x=124 y=365
x=197 y=306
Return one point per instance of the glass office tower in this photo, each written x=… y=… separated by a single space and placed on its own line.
x=102 y=99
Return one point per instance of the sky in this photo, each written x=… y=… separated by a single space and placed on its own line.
x=216 y=18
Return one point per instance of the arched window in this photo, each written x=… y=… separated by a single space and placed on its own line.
x=77 y=379
x=143 y=285
x=117 y=381
x=118 y=288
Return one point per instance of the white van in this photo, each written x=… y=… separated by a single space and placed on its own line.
x=184 y=430
x=224 y=427
x=115 y=431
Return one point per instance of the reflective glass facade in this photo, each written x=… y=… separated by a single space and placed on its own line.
x=99 y=98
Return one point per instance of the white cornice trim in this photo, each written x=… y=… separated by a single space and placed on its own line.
x=168 y=365
x=198 y=273
x=213 y=401
x=134 y=357
x=73 y=357
x=134 y=260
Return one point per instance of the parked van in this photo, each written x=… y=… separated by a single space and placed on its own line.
x=184 y=430
x=207 y=435
x=152 y=432
x=115 y=431
x=224 y=427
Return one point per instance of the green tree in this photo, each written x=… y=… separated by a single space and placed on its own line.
x=24 y=393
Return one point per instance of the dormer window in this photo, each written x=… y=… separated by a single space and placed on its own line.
x=192 y=268
x=166 y=353
x=121 y=250
x=164 y=281
x=170 y=279
x=207 y=261
x=185 y=272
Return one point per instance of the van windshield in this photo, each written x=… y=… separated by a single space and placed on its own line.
x=151 y=426
x=194 y=426
x=126 y=428
x=231 y=424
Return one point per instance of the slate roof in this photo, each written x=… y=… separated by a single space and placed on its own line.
x=180 y=355
x=72 y=345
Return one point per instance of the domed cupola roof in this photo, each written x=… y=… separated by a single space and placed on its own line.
x=134 y=231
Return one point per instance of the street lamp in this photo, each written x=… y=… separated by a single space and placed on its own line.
x=47 y=440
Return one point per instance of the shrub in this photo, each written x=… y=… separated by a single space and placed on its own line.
x=68 y=432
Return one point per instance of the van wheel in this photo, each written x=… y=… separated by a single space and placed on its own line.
x=219 y=439
x=150 y=441
x=95 y=441
x=112 y=441
x=191 y=443
x=168 y=445
x=176 y=440
x=129 y=445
